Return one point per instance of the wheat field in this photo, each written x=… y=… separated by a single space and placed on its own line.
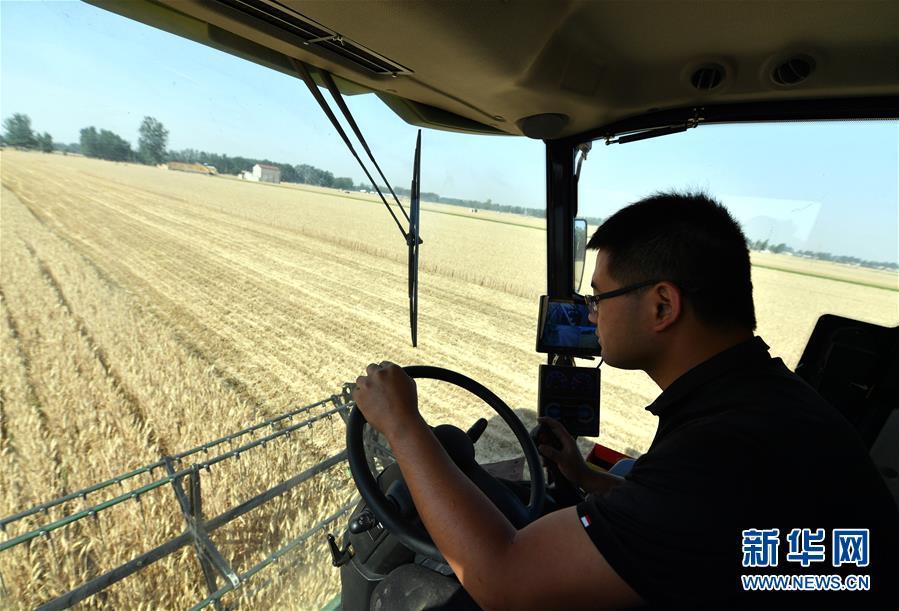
x=145 y=311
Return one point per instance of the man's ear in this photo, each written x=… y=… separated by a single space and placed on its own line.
x=668 y=304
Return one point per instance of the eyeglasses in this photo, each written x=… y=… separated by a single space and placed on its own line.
x=593 y=300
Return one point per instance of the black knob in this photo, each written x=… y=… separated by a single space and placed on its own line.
x=363 y=522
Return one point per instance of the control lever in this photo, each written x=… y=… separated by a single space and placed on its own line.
x=562 y=489
x=363 y=522
x=339 y=557
x=543 y=435
x=401 y=498
x=477 y=429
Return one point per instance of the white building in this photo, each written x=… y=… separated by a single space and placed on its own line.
x=262 y=172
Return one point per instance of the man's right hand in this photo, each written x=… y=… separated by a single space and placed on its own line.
x=566 y=456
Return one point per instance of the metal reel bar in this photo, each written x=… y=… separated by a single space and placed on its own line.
x=275 y=557
x=137 y=492
x=147 y=558
x=44 y=507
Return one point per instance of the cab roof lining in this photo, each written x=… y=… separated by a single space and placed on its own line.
x=482 y=67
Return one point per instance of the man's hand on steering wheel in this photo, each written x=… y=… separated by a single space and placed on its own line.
x=388 y=398
x=438 y=464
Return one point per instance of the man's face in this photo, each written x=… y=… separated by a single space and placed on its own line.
x=617 y=321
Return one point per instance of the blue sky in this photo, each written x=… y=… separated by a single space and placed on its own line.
x=68 y=65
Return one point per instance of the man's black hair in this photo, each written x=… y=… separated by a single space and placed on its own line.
x=688 y=239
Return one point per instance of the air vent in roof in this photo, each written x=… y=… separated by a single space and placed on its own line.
x=793 y=71
x=315 y=36
x=708 y=77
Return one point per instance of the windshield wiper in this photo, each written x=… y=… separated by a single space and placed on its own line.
x=655 y=132
x=412 y=236
x=413 y=240
x=303 y=70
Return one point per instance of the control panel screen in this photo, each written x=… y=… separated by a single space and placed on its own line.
x=564 y=328
x=571 y=396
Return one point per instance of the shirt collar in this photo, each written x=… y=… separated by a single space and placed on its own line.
x=752 y=351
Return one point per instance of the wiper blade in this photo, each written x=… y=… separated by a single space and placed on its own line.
x=413 y=240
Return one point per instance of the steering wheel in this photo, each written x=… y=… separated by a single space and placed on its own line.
x=460 y=447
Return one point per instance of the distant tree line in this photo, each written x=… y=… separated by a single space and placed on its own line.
x=151 y=149
x=102 y=144
x=17 y=132
x=763 y=245
x=474 y=204
x=226 y=164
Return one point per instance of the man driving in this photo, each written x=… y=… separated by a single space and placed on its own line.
x=742 y=445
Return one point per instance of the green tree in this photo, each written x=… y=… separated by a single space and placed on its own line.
x=105 y=145
x=45 y=142
x=288 y=173
x=88 y=141
x=113 y=147
x=343 y=182
x=152 y=142
x=17 y=131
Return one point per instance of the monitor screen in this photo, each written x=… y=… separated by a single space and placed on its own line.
x=565 y=328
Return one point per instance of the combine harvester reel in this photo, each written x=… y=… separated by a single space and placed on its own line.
x=184 y=472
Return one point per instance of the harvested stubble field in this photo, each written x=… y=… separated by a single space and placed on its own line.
x=146 y=311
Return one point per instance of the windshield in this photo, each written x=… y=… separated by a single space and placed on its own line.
x=196 y=252
x=189 y=249
x=817 y=203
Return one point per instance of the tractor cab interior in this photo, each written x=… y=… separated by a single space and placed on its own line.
x=592 y=81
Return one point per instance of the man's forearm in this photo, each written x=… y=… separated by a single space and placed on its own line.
x=598 y=482
x=467 y=528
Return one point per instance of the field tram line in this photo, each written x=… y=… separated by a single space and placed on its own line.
x=173 y=237
x=105 y=278
x=170 y=228
x=31 y=393
x=174 y=240
x=4 y=433
x=9 y=453
x=136 y=220
x=132 y=403
x=229 y=382
x=165 y=244
x=246 y=226
x=7 y=446
x=234 y=266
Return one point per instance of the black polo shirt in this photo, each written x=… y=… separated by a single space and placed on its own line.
x=743 y=443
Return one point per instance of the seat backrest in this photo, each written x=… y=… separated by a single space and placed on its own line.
x=855 y=366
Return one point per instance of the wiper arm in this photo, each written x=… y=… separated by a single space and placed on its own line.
x=655 y=132
x=303 y=70
x=335 y=93
x=412 y=237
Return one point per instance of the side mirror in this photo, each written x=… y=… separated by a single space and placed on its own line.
x=580 y=252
